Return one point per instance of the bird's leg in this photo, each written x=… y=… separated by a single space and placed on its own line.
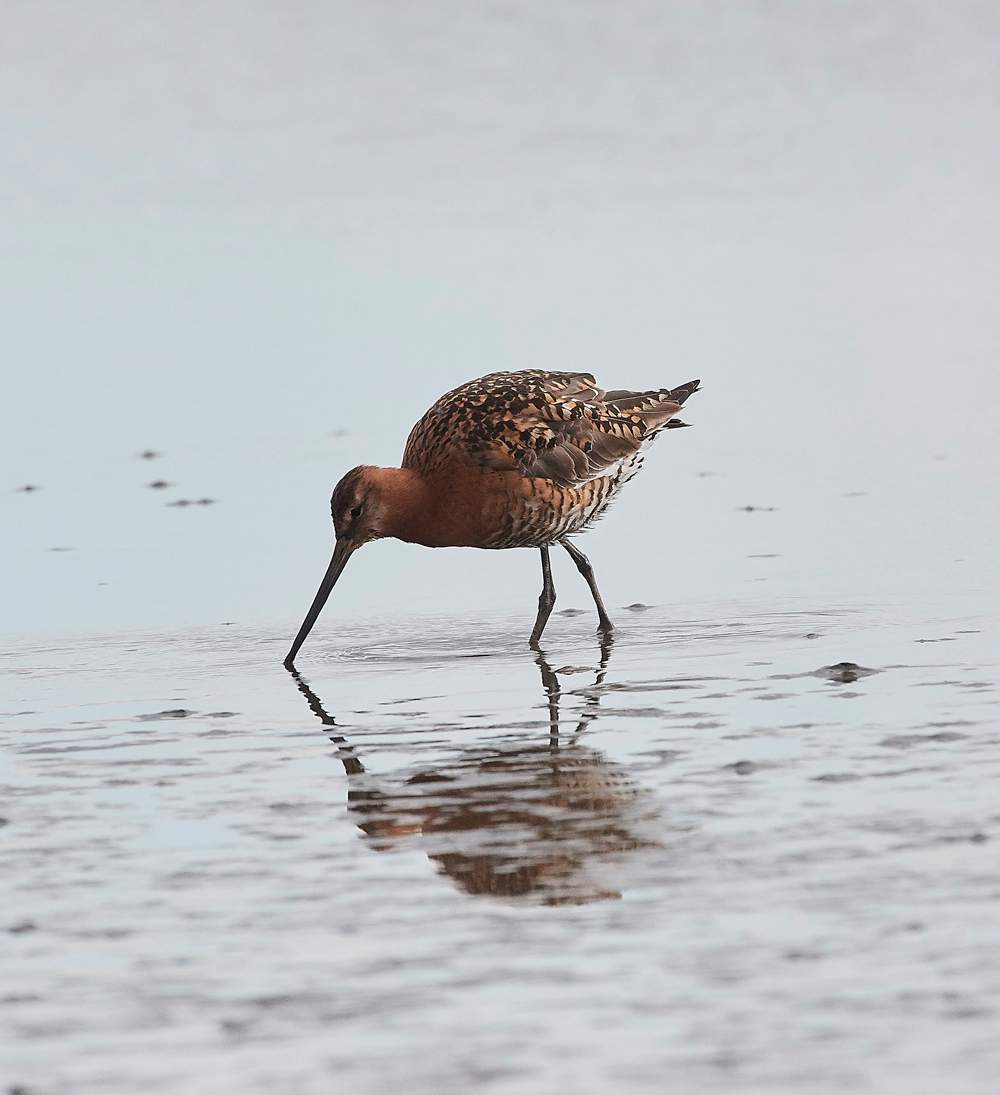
x=584 y=567
x=546 y=600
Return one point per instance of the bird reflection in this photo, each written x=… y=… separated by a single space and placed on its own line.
x=550 y=819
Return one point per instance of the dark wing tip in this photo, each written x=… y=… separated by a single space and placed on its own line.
x=682 y=391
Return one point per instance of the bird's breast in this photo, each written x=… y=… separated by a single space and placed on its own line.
x=479 y=507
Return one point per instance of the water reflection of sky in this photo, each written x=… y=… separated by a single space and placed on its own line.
x=731 y=822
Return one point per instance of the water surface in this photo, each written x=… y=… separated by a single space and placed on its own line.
x=748 y=851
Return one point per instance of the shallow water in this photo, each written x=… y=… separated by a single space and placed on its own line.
x=744 y=851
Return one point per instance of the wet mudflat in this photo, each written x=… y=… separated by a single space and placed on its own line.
x=745 y=851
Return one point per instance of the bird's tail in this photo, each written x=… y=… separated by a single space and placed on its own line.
x=679 y=394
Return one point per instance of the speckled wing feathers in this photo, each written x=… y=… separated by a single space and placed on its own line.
x=546 y=425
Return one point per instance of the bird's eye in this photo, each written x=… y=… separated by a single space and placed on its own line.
x=356 y=512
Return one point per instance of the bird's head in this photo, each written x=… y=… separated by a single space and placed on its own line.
x=365 y=507
x=358 y=507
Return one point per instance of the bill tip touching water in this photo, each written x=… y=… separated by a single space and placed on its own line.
x=513 y=459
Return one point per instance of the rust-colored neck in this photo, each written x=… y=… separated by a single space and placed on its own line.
x=404 y=500
x=441 y=510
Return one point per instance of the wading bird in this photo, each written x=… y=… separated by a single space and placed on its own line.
x=521 y=459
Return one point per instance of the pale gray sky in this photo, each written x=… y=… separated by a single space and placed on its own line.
x=233 y=229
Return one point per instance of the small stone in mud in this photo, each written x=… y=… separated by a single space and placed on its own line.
x=430 y=777
x=812 y=634
x=904 y=741
x=844 y=672
x=160 y=484
x=743 y=767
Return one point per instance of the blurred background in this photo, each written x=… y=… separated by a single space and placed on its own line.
x=258 y=240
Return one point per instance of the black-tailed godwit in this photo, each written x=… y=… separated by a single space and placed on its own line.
x=523 y=459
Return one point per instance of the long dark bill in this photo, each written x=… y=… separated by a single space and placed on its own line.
x=341 y=554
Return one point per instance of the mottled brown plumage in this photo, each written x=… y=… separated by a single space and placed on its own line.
x=513 y=459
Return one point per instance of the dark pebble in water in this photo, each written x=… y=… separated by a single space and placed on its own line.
x=149 y=454
x=175 y=713
x=570 y=612
x=181 y=502
x=743 y=767
x=637 y=607
x=430 y=777
x=844 y=672
x=757 y=509
x=904 y=741
x=23 y=926
x=159 y=484
x=28 y=488
x=221 y=714
x=812 y=634
x=207 y=501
